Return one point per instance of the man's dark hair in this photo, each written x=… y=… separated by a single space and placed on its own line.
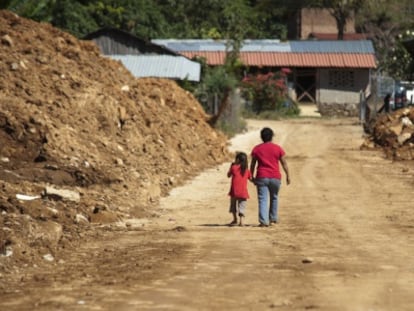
x=266 y=134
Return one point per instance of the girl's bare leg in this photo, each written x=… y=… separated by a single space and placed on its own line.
x=241 y=220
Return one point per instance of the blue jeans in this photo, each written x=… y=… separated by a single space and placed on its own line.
x=267 y=188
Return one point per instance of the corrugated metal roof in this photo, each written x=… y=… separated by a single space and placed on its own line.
x=160 y=66
x=212 y=58
x=220 y=45
x=113 y=41
x=272 y=59
x=302 y=46
x=334 y=46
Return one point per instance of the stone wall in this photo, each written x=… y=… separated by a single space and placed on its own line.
x=338 y=110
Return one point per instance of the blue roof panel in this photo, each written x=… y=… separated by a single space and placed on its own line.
x=335 y=46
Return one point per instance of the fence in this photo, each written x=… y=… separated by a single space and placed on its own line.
x=369 y=106
x=230 y=118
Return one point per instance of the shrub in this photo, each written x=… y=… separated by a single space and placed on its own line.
x=268 y=92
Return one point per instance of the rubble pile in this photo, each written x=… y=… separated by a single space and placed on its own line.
x=82 y=141
x=394 y=133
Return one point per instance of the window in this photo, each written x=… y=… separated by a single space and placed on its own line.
x=341 y=78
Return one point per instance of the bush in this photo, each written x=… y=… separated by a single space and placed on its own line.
x=268 y=92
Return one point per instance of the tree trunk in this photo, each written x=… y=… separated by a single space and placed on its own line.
x=340 y=24
x=223 y=105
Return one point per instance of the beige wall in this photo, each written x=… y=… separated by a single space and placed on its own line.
x=321 y=21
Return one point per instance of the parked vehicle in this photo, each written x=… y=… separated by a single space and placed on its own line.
x=409 y=91
x=398 y=97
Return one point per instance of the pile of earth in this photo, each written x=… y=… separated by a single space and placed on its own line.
x=83 y=142
x=393 y=132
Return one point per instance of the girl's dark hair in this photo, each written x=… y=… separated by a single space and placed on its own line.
x=266 y=134
x=241 y=157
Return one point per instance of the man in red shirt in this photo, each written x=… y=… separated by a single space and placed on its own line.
x=267 y=156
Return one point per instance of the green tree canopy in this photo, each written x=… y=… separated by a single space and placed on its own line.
x=385 y=21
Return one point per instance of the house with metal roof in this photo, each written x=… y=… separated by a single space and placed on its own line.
x=323 y=72
x=144 y=58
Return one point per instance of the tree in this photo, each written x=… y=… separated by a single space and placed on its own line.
x=38 y=10
x=143 y=18
x=272 y=16
x=73 y=17
x=5 y=4
x=235 y=23
x=191 y=19
x=387 y=23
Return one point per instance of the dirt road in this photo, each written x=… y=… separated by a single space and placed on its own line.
x=345 y=240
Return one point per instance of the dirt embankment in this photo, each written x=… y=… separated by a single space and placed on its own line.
x=393 y=132
x=85 y=140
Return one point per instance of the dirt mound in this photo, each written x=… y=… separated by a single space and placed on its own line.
x=83 y=141
x=394 y=133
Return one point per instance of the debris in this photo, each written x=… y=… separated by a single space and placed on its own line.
x=119 y=162
x=394 y=133
x=14 y=66
x=402 y=138
x=25 y=197
x=283 y=303
x=6 y=40
x=406 y=121
x=53 y=211
x=180 y=229
x=81 y=219
x=8 y=251
x=61 y=194
x=48 y=257
x=23 y=65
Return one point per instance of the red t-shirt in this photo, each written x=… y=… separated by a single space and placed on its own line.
x=238 y=187
x=268 y=155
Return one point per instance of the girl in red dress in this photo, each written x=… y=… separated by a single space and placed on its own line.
x=238 y=193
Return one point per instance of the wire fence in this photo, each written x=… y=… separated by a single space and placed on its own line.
x=369 y=105
x=230 y=119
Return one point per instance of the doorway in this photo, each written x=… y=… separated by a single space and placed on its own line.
x=305 y=85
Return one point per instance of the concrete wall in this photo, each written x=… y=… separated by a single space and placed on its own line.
x=342 y=85
x=339 y=91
